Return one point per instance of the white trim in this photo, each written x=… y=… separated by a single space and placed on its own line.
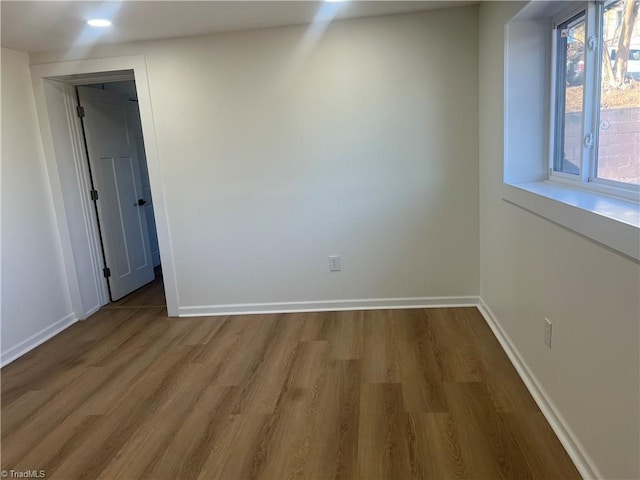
x=61 y=71
x=90 y=312
x=328 y=305
x=553 y=94
x=578 y=454
x=88 y=212
x=100 y=77
x=37 y=339
x=590 y=93
x=598 y=186
x=612 y=222
x=62 y=224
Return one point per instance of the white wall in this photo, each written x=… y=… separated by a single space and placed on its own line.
x=274 y=156
x=35 y=298
x=531 y=268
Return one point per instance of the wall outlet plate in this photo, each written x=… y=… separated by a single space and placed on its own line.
x=334 y=263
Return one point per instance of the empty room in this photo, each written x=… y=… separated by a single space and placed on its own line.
x=320 y=239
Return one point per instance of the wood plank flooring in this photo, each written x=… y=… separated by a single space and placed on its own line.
x=151 y=295
x=389 y=394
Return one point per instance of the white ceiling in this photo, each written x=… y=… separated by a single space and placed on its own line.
x=34 y=26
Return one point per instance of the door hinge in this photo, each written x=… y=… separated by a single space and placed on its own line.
x=80 y=110
x=94 y=195
x=107 y=272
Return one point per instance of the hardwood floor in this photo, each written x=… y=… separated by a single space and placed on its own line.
x=389 y=394
x=151 y=295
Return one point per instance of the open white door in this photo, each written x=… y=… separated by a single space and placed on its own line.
x=115 y=172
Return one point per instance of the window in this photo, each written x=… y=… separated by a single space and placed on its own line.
x=596 y=109
x=583 y=190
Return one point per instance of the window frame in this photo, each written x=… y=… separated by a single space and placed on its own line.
x=611 y=221
x=587 y=178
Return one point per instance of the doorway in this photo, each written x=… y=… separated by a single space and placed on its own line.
x=54 y=86
x=120 y=186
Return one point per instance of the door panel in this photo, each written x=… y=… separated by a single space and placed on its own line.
x=112 y=123
x=136 y=126
x=146 y=193
x=116 y=175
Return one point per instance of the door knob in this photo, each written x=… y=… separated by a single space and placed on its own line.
x=141 y=202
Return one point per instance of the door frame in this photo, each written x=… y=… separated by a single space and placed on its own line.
x=67 y=169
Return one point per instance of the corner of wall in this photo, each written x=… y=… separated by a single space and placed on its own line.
x=576 y=451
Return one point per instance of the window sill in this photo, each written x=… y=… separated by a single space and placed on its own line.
x=612 y=222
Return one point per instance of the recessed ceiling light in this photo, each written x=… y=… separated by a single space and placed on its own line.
x=99 y=22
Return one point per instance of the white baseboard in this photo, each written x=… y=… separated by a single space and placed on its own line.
x=581 y=459
x=37 y=339
x=327 y=305
x=93 y=310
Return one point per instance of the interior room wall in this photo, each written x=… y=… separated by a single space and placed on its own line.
x=35 y=297
x=280 y=147
x=531 y=269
